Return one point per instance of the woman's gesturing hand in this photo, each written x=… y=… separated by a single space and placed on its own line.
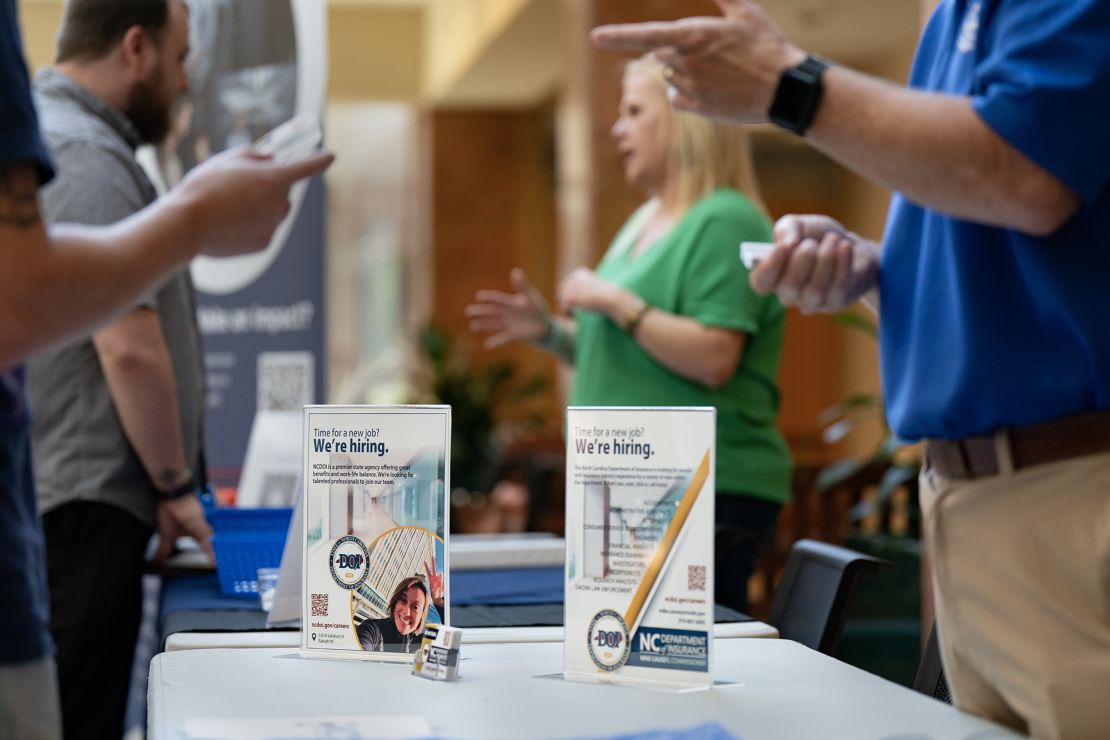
x=520 y=316
x=583 y=289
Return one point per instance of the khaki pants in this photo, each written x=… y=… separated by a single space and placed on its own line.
x=1021 y=575
x=29 y=701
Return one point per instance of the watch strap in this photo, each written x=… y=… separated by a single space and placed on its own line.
x=814 y=64
x=183 y=489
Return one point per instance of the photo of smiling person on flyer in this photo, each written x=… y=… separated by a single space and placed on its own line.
x=401 y=629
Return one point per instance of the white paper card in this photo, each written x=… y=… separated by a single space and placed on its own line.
x=272 y=466
x=376 y=523
x=752 y=253
x=286 y=611
x=293 y=140
x=639 y=531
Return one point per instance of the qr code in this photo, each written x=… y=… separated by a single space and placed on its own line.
x=695 y=578
x=286 y=380
x=319 y=605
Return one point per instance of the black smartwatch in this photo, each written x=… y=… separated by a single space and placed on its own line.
x=798 y=95
x=182 y=489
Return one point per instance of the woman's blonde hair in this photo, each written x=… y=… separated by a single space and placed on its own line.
x=703 y=153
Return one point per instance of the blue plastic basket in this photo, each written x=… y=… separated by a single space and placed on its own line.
x=245 y=540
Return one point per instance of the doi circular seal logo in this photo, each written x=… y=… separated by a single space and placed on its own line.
x=349 y=562
x=608 y=641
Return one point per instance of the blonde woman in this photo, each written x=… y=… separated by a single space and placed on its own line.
x=668 y=318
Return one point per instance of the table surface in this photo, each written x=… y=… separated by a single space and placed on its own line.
x=765 y=689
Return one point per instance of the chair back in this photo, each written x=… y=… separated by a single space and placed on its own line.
x=930 y=672
x=811 y=602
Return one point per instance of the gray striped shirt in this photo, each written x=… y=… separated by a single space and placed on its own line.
x=81 y=451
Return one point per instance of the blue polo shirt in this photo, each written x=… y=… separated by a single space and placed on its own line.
x=982 y=327
x=24 y=632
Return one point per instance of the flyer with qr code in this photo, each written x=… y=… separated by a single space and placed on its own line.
x=639 y=533
x=375 y=529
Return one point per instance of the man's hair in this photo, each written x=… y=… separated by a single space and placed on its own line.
x=92 y=28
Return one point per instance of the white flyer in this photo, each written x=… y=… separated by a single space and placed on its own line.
x=639 y=531
x=375 y=529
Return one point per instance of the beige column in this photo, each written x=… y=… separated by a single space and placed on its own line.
x=927 y=8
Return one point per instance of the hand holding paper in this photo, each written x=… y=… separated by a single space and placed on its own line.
x=817 y=265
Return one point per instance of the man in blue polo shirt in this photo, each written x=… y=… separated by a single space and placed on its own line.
x=995 y=309
x=57 y=284
x=26 y=674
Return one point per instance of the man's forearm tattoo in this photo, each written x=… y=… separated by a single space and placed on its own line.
x=19 y=201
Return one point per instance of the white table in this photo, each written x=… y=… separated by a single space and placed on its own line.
x=767 y=689
x=471 y=636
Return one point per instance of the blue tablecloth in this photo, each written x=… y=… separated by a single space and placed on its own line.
x=506 y=587
x=514 y=597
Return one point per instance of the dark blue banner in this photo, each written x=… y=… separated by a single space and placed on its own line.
x=254 y=65
x=264 y=343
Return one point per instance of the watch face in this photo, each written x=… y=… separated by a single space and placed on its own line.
x=796 y=100
x=793 y=92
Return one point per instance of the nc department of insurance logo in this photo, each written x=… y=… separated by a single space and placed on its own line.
x=349 y=562
x=608 y=640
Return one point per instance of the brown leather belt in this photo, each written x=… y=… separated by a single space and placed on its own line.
x=1035 y=444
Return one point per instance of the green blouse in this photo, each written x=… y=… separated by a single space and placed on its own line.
x=695 y=271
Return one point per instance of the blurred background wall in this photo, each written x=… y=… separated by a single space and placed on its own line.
x=474 y=137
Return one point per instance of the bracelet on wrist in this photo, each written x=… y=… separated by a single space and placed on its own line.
x=173 y=485
x=554 y=334
x=635 y=316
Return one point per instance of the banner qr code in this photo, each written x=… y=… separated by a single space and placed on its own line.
x=319 y=605
x=286 y=381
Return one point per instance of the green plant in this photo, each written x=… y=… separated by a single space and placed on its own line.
x=895 y=462
x=481 y=398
